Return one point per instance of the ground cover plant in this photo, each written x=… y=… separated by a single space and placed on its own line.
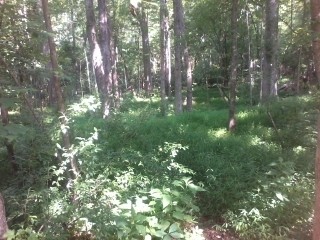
x=144 y=176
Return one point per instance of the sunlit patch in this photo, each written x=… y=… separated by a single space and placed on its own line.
x=218 y=133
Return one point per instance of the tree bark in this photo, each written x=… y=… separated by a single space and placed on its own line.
x=97 y=58
x=233 y=66
x=316 y=220
x=140 y=14
x=57 y=86
x=3 y=221
x=270 y=61
x=9 y=144
x=178 y=30
x=315 y=29
x=105 y=46
x=164 y=43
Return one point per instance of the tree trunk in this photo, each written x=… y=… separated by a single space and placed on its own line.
x=178 y=29
x=58 y=90
x=105 y=46
x=164 y=68
x=270 y=61
x=140 y=14
x=233 y=66
x=96 y=57
x=315 y=29
x=9 y=144
x=3 y=221
x=316 y=220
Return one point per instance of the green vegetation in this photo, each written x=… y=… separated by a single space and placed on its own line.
x=144 y=176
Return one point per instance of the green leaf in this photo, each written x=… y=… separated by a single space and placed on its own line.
x=166 y=200
x=156 y=193
x=178 y=215
x=174 y=228
x=164 y=225
x=177 y=235
x=141 y=229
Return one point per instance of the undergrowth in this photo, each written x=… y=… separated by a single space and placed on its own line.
x=143 y=175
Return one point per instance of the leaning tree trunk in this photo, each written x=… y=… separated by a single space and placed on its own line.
x=233 y=66
x=3 y=221
x=315 y=29
x=178 y=29
x=270 y=61
x=58 y=91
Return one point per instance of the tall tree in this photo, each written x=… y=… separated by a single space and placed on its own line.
x=315 y=28
x=102 y=78
x=58 y=91
x=164 y=54
x=138 y=11
x=316 y=220
x=233 y=66
x=105 y=39
x=178 y=31
x=271 y=48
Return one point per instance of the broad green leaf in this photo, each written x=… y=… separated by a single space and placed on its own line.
x=166 y=200
x=174 y=228
x=141 y=229
x=164 y=225
x=178 y=215
x=176 y=235
x=156 y=193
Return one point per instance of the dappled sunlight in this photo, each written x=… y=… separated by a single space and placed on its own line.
x=218 y=133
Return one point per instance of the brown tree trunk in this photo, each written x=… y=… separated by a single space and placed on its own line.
x=270 y=61
x=316 y=220
x=164 y=42
x=233 y=66
x=9 y=144
x=105 y=46
x=178 y=30
x=58 y=90
x=315 y=29
x=140 y=14
x=3 y=221
x=97 y=58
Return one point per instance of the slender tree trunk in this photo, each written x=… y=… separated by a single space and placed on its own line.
x=233 y=66
x=97 y=58
x=3 y=220
x=315 y=29
x=164 y=30
x=58 y=90
x=270 y=61
x=9 y=144
x=105 y=46
x=178 y=30
x=316 y=220
x=140 y=14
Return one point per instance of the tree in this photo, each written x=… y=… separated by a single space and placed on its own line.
x=233 y=66
x=178 y=34
x=165 y=68
x=97 y=58
x=315 y=29
x=271 y=48
x=3 y=221
x=105 y=39
x=138 y=11
x=316 y=220
x=58 y=91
